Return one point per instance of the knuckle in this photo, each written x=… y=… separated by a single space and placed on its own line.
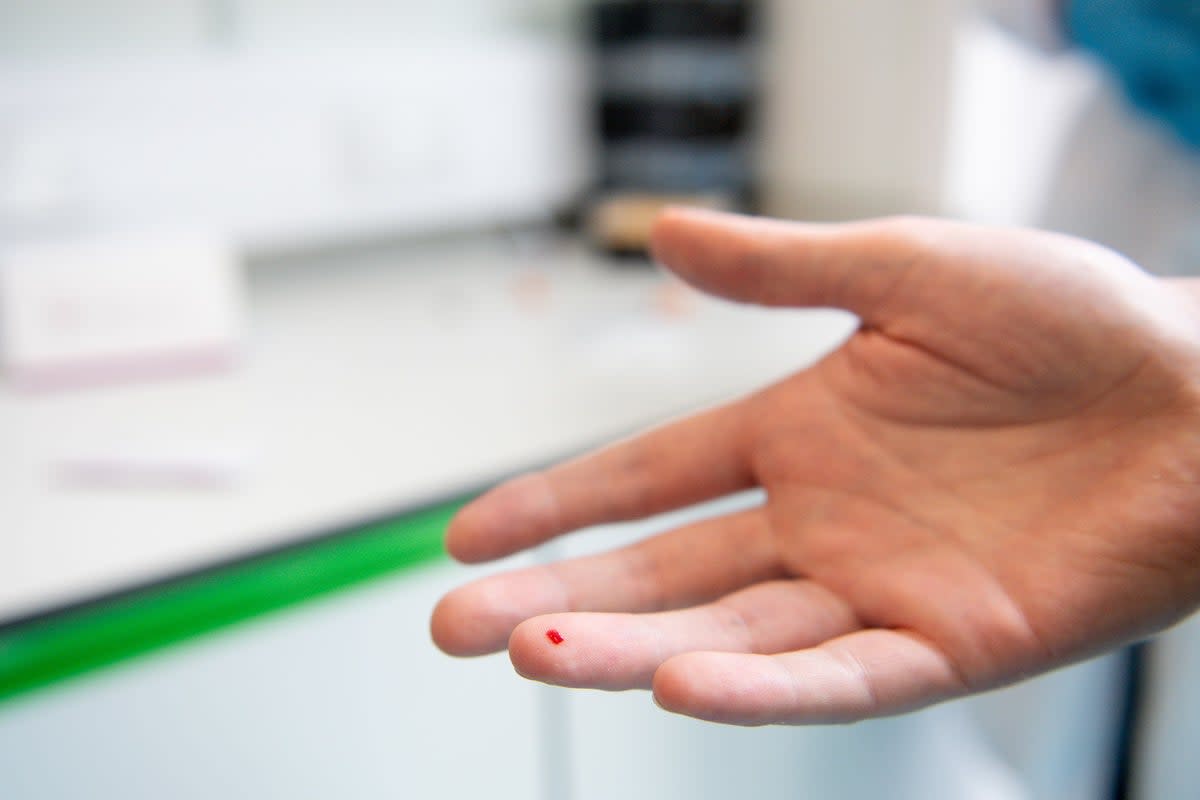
x=867 y=702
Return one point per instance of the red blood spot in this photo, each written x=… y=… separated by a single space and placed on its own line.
x=554 y=636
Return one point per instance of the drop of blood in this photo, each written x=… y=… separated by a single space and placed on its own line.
x=554 y=636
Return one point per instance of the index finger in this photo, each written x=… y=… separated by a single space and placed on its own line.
x=697 y=458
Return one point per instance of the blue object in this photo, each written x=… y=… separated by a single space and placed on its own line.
x=1153 y=46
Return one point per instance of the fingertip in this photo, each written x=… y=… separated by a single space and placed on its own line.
x=457 y=631
x=664 y=234
x=679 y=682
x=477 y=532
x=461 y=535
x=520 y=652
x=676 y=230
x=709 y=686
x=541 y=649
x=670 y=688
x=441 y=630
x=513 y=516
x=729 y=255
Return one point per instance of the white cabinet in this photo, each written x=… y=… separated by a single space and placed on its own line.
x=342 y=697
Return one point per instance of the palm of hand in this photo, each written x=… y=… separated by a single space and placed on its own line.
x=989 y=478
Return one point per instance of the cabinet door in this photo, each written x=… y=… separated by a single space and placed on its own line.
x=342 y=697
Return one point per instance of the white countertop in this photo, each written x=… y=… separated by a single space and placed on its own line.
x=372 y=382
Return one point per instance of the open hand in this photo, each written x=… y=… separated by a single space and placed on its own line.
x=998 y=473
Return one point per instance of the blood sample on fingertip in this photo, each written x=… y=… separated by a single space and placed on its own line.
x=554 y=636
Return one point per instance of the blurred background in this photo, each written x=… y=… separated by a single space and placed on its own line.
x=281 y=283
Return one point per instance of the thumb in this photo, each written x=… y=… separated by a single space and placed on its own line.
x=854 y=266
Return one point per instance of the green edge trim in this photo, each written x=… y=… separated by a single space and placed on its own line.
x=52 y=649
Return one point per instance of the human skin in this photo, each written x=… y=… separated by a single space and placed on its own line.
x=997 y=474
